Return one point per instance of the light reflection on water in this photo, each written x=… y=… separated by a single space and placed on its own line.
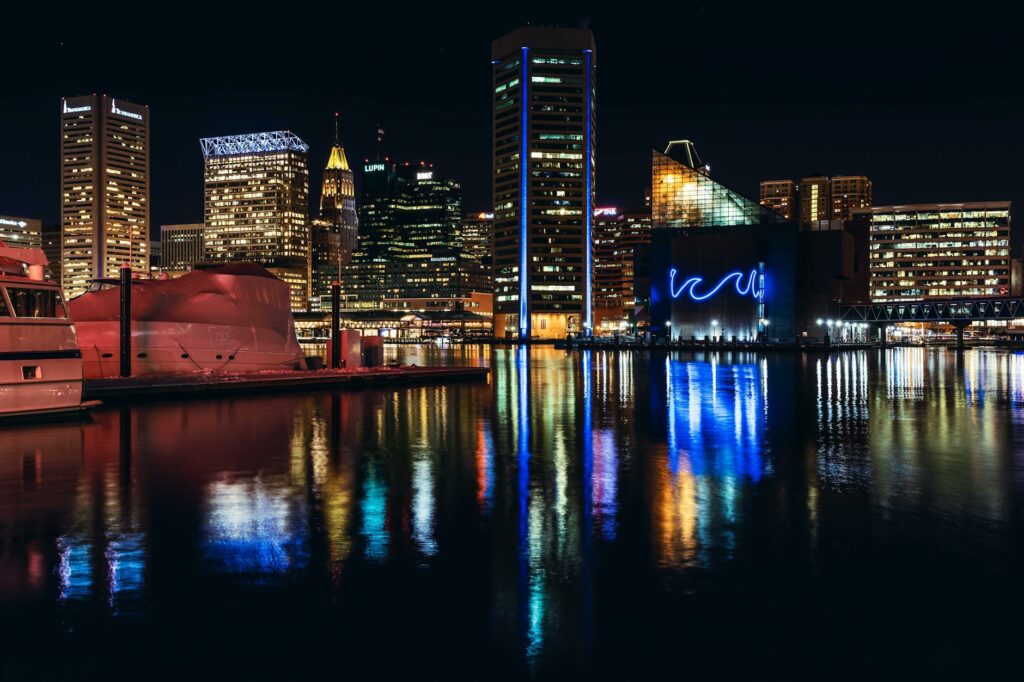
x=567 y=481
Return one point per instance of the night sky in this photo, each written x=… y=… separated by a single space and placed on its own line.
x=928 y=103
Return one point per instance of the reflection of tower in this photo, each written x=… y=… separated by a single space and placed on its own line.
x=336 y=232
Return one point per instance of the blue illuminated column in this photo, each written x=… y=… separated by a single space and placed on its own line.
x=760 y=301
x=524 y=156
x=588 y=192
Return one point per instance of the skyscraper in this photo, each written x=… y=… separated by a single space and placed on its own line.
x=257 y=203
x=779 y=196
x=477 y=240
x=181 y=246
x=543 y=140
x=617 y=236
x=104 y=187
x=408 y=237
x=335 y=234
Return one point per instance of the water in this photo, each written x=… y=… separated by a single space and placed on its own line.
x=682 y=515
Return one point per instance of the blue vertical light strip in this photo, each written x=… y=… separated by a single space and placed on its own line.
x=760 y=303
x=588 y=211
x=524 y=285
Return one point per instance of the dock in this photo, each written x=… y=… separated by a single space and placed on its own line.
x=159 y=386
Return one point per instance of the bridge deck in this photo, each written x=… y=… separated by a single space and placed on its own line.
x=952 y=310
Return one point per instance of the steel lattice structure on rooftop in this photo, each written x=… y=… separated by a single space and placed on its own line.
x=252 y=143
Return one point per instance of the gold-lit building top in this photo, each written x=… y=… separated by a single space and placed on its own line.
x=338 y=160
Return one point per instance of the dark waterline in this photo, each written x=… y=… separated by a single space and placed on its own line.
x=684 y=515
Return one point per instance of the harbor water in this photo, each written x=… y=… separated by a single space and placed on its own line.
x=679 y=514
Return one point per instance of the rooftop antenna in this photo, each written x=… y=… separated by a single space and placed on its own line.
x=380 y=140
x=336 y=138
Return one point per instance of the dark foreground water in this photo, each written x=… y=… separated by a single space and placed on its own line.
x=645 y=515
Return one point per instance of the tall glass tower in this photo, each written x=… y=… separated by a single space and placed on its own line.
x=544 y=131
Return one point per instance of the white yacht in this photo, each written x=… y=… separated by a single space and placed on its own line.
x=40 y=362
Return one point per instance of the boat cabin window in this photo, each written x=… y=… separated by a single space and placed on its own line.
x=44 y=303
x=4 y=312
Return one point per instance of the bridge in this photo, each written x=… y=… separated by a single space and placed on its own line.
x=958 y=312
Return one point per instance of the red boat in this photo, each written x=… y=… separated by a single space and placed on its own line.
x=234 y=318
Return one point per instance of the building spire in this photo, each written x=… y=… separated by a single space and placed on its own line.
x=337 y=160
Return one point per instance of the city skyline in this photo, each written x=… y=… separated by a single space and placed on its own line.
x=892 y=130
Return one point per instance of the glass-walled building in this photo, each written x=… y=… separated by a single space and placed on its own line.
x=409 y=238
x=544 y=131
x=684 y=196
x=257 y=205
x=928 y=251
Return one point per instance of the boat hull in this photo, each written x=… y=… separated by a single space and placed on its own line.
x=236 y=318
x=60 y=386
x=182 y=348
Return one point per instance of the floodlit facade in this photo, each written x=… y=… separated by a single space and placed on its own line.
x=543 y=87
x=617 y=236
x=256 y=205
x=779 y=196
x=683 y=195
x=104 y=188
x=933 y=251
x=181 y=246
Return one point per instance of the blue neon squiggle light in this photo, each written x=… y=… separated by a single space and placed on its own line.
x=746 y=285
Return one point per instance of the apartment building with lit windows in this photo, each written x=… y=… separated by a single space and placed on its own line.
x=819 y=201
x=543 y=88
x=847 y=194
x=779 y=196
x=932 y=251
x=257 y=203
x=104 y=189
